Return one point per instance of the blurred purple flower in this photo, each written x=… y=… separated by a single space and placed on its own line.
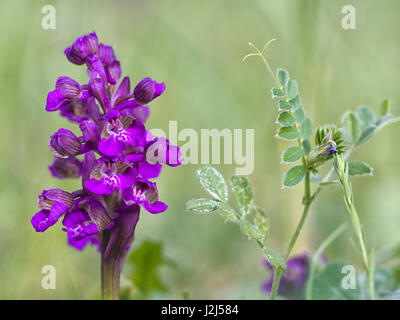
x=293 y=280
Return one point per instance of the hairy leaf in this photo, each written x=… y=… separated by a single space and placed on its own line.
x=276 y=92
x=293 y=176
x=351 y=126
x=288 y=133
x=203 y=205
x=242 y=193
x=274 y=258
x=366 y=116
x=213 y=182
x=286 y=119
x=228 y=213
x=283 y=76
x=359 y=168
x=292 y=89
x=292 y=154
x=306 y=129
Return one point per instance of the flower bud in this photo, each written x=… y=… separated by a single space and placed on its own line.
x=82 y=48
x=98 y=215
x=64 y=144
x=65 y=168
x=147 y=90
x=68 y=87
x=48 y=197
x=106 y=54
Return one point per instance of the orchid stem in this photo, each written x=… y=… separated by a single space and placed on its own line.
x=110 y=273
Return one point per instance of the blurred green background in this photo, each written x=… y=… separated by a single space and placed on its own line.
x=196 y=47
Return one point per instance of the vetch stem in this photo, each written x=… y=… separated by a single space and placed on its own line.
x=307 y=204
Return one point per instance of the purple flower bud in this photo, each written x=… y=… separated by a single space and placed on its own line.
x=82 y=48
x=147 y=90
x=64 y=144
x=106 y=54
x=65 y=168
x=48 y=197
x=68 y=87
x=98 y=214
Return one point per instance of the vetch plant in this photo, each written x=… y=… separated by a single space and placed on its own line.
x=307 y=156
x=120 y=158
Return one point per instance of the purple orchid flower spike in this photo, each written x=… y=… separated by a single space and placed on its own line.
x=116 y=165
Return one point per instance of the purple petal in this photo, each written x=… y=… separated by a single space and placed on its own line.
x=54 y=100
x=111 y=146
x=159 y=89
x=40 y=221
x=148 y=170
x=99 y=186
x=127 y=179
x=156 y=207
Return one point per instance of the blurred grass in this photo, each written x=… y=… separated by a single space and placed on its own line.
x=196 y=48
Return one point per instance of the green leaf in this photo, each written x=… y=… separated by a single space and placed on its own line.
x=367 y=134
x=359 y=168
x=283 y=105
x=295 y=103
x=307 y=146
x=274 y=258
x=213 y=182
x=261 y=223
x=288 y=133
x=203 y=205
x=351 y=126
x=386 y=107
x=228 y=213
x=385 y=282
x=366 y=116
x=306 y=129
x=248 y=229
x=283 y=76
x=276 y=92
x=285 y=119
x=293 y=176
x=292 y=154
x=292 y=89
x=146 y=261
x=299 y=115
x=328 y=284
x=242 y=193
